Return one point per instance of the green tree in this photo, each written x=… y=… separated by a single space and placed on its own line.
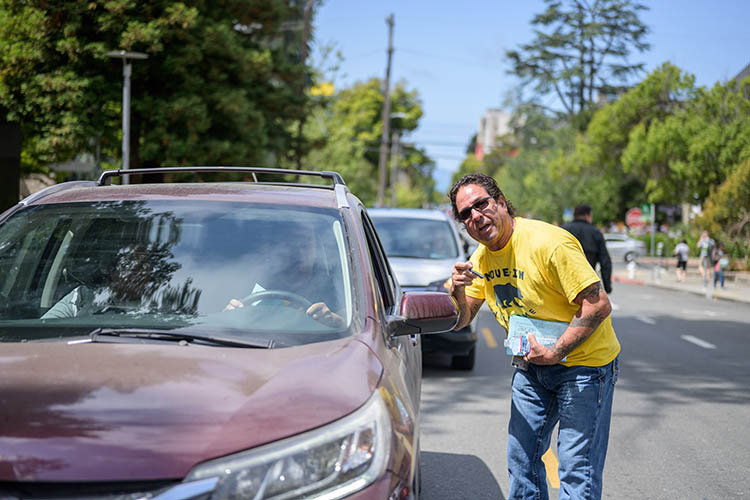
x=688 y=152
x=469 y=165
x=599 y=152
x=347 y=133
x=580 y=52
x=222 y=85
x=727 y=211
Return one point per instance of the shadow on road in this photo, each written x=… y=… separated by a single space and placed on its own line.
x=689 y=374
x=449 y=476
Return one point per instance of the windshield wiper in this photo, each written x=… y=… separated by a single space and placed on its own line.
x=141 y=333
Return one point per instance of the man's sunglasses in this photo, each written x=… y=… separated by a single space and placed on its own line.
x=478 y=205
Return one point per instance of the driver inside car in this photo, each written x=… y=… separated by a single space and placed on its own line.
x=297 y=278
x=104 y=283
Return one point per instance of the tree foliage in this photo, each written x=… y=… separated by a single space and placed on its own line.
x=727 y=210
x=665 y=141
x=222 y=85
x=606 y=149
x=347 y=131
x=694 y=148
x=580 y=52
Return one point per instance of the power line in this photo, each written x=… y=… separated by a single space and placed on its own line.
x=443 y=58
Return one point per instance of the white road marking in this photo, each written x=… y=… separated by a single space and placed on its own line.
x=693 y=312
x=615 y=307
x=647 y=320
x=698 y=342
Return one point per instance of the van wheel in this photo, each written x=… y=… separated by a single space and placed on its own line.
x=464 y=362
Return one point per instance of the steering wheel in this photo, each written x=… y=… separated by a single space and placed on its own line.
x=277 y=295
x=117 y=309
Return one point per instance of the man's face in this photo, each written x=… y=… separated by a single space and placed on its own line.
x=487 y=225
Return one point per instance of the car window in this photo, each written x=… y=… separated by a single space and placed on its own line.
x=417 y=238
x=381 y=269
x=173 y=264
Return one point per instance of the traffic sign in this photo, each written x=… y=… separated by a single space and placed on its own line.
x=634 y=218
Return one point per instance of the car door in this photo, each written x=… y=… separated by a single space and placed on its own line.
x=407 y=349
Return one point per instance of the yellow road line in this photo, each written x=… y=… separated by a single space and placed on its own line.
x=551 y=465
x=491 y=342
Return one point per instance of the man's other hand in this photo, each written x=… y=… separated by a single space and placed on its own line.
x=322 y=314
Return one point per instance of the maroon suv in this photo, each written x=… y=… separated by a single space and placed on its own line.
x=207 y=340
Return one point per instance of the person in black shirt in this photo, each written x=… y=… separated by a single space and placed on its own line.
x=592 y=241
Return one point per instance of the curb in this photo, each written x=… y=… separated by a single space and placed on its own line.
x=623 y=279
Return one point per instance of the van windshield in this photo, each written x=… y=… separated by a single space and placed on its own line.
x=416 y=238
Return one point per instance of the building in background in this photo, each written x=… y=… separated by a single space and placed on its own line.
x=494 y=124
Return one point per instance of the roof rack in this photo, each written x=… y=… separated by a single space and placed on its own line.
x=334 y=177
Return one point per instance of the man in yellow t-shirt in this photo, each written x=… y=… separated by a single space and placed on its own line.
x=539 y=271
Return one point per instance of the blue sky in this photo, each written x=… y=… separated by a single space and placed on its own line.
x=452 y=53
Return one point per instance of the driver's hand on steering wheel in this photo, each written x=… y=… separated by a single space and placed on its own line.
x=318 y=311
x=322 y=314
x=234 y=304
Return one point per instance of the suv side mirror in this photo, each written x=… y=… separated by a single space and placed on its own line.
x=424 y=312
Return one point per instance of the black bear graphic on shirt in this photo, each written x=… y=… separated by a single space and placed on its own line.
x=506 y=295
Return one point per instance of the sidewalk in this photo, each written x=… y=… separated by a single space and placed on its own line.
x=647 y=272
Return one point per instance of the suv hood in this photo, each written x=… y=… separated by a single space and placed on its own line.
x=418 y=273
x=108 y=412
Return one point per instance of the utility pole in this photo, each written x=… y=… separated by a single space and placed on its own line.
x=395 y=146
x=382 y=167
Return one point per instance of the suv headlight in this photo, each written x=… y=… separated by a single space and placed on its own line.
x=327 y=463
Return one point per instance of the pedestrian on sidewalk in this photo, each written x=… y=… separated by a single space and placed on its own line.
x=721 y=263
x=592 y=241
x=705 y=247
x=535 y=269
x=682 y=251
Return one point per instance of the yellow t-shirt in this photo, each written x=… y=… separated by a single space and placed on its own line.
x=538 y=274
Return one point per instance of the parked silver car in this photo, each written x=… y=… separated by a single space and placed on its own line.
x=624 y=247
x=422 y=247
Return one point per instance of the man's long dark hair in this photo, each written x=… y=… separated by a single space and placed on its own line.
x=488 y=183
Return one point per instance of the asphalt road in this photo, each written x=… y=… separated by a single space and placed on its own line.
x=681 y=421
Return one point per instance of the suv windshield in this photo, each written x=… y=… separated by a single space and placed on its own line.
x=416 y=238
x=228 y=268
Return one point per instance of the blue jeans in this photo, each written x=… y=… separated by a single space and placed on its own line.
x=580 y=399
x=719 y=276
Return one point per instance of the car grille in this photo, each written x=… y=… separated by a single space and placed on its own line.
x=84 y=491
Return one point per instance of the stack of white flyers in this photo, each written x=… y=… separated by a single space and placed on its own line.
x=519 y=328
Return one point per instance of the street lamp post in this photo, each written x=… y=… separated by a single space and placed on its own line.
x=127 y=69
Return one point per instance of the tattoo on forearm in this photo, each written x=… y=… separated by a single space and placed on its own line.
x=584 y=325
x=592 y=321
x=592 y=292
x=474 y=309
x=466 y=313
x=566 y=349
